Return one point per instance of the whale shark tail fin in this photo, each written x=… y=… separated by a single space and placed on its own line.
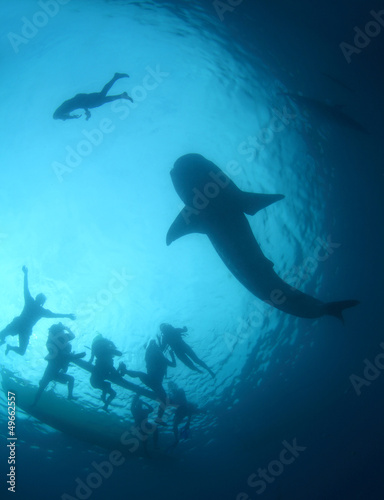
x=336 y=308
x=253 y=202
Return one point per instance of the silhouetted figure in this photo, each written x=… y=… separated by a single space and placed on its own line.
x=223 y=220
x=22 y=325
x=173 y=337
x=87 y=101
x=59 y=357
x=184 y=409
x=104 y=350
x=140 y=412
x=157 y=365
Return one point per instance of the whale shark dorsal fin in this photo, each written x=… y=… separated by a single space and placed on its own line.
x=185 y=223
x=253 y=202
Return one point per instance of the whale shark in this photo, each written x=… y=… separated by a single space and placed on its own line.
x=216 y=207
x=332 y=112
x=338 y=82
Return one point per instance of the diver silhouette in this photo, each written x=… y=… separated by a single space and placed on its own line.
x=140 y=412
x=184 y=409
x=104 y=350
x=86 y=101
x=59 y=357
x=32 y=312
x=156 y=364
x=172 y=337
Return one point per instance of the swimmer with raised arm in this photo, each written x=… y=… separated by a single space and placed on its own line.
x=87 y=101
x=22 y=325
x=104 y=350
x=59 y=357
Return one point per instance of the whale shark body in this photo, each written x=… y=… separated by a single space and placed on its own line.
x=215 y=206
x=334 y=113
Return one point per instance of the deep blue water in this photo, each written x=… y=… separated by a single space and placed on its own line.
x=78 y=213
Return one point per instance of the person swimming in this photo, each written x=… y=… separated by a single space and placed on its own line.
x=156 y=364
x=32 y=312
x=104 y=351
x=172 y=337
x=59 y=357
x=140 y=412
x=184 y=409
x=86 y=101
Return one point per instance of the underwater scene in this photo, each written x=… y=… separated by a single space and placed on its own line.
x=191 y=250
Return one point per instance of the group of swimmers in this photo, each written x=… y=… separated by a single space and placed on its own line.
x=104 y=350
x=101 y=363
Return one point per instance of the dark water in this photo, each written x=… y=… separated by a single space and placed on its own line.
x=78 y=213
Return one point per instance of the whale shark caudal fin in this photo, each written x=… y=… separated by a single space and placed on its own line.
x=253 y=202
x=336 y=308
x=185 y=223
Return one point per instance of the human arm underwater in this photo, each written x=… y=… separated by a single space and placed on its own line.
x=60 y=114
x=63 y=111
x=69 y=333
x=68 y=117
x=171 y=363
x=27 y=293
x=49 y=314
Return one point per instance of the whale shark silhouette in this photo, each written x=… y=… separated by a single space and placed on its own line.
x=332 y=112
x=338 y=82
x=215 y=206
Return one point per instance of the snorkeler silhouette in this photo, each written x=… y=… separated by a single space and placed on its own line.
x=86 y=101
x=184 y=409
x=140 y=412
x=157 y=365
x=172 y=337
x=104 y=350
x=22 y=325
x=59 y=357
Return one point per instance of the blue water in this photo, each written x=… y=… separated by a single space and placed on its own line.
x=84 y=202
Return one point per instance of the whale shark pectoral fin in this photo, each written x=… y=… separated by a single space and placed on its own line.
x=253 y=202
x=186 y=222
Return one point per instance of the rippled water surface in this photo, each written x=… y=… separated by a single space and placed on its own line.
x=86 y=205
